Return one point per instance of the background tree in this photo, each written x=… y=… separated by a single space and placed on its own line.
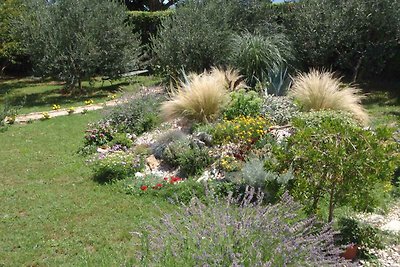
x=10 y=48
x=353 y=36
x=73 y=40
x=148 y=5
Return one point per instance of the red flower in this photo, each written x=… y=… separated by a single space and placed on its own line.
x=157 y=186
x=175 y=179
x=165 y=179
x=143 y=187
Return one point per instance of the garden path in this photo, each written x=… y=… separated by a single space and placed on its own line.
x=25 y=118
x=389 y=256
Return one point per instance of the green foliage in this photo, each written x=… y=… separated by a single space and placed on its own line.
x=115 y=166
x=351 y=35
x=198 y=34
x=333 y=157
x=137 y=116
x=8 y=113
x=279 y=109
x=254 y=174
x=146 y=23
x=121 y=139
x=77 y=39
x=193 y=38
x=256 y=55
x=353 y=231
x=10 y=47
x=187 y=155
x=243 y=103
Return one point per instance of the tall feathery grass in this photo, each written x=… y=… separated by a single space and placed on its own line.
x=320 y=90
x=200 y=97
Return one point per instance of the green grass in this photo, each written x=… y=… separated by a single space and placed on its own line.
x=35 y=96
x=51 y=212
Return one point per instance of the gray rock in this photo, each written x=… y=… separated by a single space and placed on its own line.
x=205 y=138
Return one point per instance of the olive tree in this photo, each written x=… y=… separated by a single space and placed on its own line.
x=354 y=36
x=10 y=48
x=73 y=40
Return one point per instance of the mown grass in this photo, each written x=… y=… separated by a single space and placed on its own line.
x=35 y=96
x=51 y=212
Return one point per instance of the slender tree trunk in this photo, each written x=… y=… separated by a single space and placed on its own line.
x=357 y=68
x=80 y=85
x=331 y=203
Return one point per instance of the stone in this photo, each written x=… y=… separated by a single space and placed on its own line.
x=392 y=226
x=152 y=162
x=205 y=138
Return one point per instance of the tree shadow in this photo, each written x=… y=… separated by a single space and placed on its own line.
x=7 y=87
x=55 y=96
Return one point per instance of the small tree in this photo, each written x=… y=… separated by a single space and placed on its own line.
x=73 y=40
x=332 y=157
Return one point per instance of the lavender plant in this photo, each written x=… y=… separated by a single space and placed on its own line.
x=238 y=232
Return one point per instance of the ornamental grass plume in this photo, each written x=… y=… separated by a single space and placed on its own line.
x=238 y=231
x=200 y=97
x=320 y=90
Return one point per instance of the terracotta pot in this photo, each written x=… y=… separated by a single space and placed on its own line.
x=351 y=252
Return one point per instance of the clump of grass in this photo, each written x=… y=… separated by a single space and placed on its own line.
x=200 y=97
x=320 y=90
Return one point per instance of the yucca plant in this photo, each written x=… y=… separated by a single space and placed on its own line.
x=255 y=55
x=200 y=97
x=320 y=90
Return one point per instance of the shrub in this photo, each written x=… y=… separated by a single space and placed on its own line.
x=164 y=140
x=116 y=165
x=255 y=175
x=279 y=109
x=320 y=91
x=243 y=130
x=201 y=97
x=353 y=231
x=137 y=116
x=333 y=157
x=187 y=155
x=255 y=55
x=237 y=232
x=121 y=139
x=99 y=134
x=74 y=40
x=243 y=103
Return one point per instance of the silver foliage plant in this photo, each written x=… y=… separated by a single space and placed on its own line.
x=280 y=109
x=238 y=231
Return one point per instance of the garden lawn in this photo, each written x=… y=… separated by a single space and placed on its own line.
x=36 y=96
x=51 y=212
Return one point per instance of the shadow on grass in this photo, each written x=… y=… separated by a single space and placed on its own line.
x=7 y=87
x=55 y=96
